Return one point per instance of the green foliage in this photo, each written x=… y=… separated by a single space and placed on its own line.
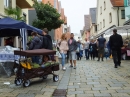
x=14 y=13
x=47 y=16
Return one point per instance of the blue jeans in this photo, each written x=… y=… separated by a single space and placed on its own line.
x=87 y=53
x=35 y=59
x=63 y=59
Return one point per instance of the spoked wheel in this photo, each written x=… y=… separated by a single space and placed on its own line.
x=45 y=76
x=18 y=81
x=55 y=78
x=26 y=83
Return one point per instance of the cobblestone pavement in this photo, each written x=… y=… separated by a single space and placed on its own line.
x=91 y=78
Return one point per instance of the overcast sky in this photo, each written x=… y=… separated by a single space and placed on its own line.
x=75 y=11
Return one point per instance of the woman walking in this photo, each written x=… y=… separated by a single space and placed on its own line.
x=63 y=48
x=92 y=49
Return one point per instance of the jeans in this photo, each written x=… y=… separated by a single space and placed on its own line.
x=87 y=53
x=116 y=54
x=63 y=59
x=35 y=59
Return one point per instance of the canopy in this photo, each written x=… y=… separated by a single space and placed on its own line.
x=9 y=23
x=34 y=52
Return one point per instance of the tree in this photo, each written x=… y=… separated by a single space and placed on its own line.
x=14 y=13
x=47 y=16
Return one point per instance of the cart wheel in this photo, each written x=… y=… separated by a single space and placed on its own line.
x=26 y=83
x=18 y=81
x=45 y=76
x=55 y=78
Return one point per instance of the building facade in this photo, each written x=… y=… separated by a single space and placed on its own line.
x=22 y=4
x=93 y=25
x=110 y=13
x=127 y=12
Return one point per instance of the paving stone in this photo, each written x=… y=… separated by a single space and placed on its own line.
x=120 y=95
x=92 y=83
x=70 y=95
x=48 y=90
x=108 y=91
x=75 y=92
x=73 y=86
x=26 y=95
x=84 y=95
x=102 y=94
x=99 y=88
x=123 y=91
x=91 y=92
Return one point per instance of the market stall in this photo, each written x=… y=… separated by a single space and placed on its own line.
x=11 y=27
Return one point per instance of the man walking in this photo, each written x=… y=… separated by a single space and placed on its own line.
x=72 y=50
x=47 y=41
x=86 y=47
x=116 y=43
x=101 y=45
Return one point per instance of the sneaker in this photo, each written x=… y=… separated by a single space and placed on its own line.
x=71 y=65
x=74 y=67
x=64 y=69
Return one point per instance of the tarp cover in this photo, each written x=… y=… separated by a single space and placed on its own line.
x=35 y=52
x=9 y=23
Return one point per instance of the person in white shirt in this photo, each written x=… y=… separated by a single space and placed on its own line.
x=86 y=48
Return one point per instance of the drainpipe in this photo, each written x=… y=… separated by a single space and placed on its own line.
x=118 y=15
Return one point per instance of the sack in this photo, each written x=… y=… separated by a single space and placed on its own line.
x=128 y=52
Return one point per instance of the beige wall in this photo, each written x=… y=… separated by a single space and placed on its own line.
x=105 y=15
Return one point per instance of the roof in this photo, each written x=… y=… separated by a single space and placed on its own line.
x=117 y=3
x=93 y=14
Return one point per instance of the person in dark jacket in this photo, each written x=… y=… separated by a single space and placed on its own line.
x=47 y=41
x=92 y=49
x=35 y=43
x=116 y=43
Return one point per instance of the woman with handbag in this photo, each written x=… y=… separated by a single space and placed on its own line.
x=63 y=48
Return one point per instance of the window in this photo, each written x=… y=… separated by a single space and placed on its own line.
x=101 y=10
x=100 y=25
x=95 y=28
x=128 y=2
x=103 y=23
x=123 y=14
x=104 y=5
x=6 y=3
x=110 y=17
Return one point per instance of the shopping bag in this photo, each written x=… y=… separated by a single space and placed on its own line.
x=111 y=56
x=128 y=52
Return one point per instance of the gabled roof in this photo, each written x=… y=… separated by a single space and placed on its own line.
x=93 y=15
x=117 y=3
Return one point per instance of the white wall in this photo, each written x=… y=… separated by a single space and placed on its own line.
x=105 y=15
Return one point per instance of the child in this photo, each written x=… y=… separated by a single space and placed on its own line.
x=46 y=61
x=106 y=52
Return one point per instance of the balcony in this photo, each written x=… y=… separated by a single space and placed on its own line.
x=24 y=3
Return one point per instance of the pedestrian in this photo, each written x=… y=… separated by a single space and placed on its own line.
x=92 y=49
x=116 y=42
x=81 y=49
x=47 y=41
x=72 y=50
x=78 y=51
x=63 y=48
x=86 y=48
x=101 y=42
x=106 y=52
x=35 y=43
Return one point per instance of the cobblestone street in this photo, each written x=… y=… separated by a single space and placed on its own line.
x=91 y=78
